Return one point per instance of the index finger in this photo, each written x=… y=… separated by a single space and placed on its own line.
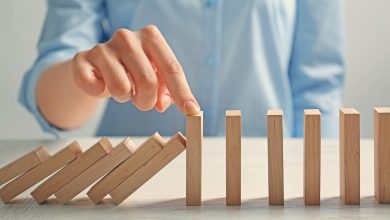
x=167 y=64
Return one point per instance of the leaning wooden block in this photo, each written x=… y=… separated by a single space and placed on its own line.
x=275 y=157
x=312 y=156
x=116 y=156
x=194 y=136
x=143 y=153
x=38 y=173
x=233 y=157
x=170 y=151
x=382 y=154
x=350 y=156
x=23 y=164
x=65 y=175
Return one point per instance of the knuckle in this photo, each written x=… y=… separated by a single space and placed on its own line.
x=78 y=58
x=97 y=51
x=125 y=39
x=99 y=48
x=80 y=78
x=147 y=82
x=120 y=89
x=150 y=31
x=183 y=92
x=122 y=34
x=174 y=68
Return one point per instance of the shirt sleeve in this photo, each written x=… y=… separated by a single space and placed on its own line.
x=316 y=69
x=70 y=26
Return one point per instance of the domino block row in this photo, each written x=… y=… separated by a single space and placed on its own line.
x=349 y=128
x=124 y=169
x=349 y=157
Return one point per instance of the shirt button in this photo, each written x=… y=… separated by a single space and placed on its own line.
x=210 y=3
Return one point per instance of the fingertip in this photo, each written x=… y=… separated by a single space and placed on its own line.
x=191 y=107
x=164 y=102
x=122 y=99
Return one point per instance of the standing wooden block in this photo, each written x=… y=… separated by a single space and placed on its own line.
x=194 y=136
x=170 y=151
x=233 y=158
x=38 y=173
x=382 y=154
x=72 y=170
x=23 y=164
x=115 y=157
x=143 y=153
x=275 y=157
x=312 y=156
x=350 y=156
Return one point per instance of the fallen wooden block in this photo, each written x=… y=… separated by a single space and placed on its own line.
x=72 y=170
x=349 y=156
x=194 y=136
x=143 y=153
x=38 y=173
x=233 y=157
x=312 y=156
x=116 y=156
x=171 y=150
x=382 y=154
x=23 y=164
x=275 y=157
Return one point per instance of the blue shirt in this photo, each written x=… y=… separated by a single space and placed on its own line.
x=250 y=55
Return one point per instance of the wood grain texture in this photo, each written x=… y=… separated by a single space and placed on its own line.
x=275 y=157
x=72 y=170
x=349 y=120
x=144 y=152
x=38 y=173
x=194 y=136
x=170 y=151
x=115 y=157
x=382 y=154
x=233 y=158
x=312 y=156
x=163 y=197
x=23 y=164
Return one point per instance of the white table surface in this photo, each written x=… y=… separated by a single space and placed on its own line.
x=163 y=197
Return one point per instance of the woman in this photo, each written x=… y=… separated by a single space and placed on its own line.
x=208 y=55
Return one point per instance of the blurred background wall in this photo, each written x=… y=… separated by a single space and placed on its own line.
x=367 y=78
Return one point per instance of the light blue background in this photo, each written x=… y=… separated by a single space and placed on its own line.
x=367 y=61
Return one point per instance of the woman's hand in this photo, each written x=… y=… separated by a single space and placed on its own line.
x=138 y=66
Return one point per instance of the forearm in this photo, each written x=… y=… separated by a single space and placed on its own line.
x=60 y=101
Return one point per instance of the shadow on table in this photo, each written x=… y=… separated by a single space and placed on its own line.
x=85 y=202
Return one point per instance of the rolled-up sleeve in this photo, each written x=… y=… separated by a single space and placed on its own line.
x=70 y=26
x=316 y=69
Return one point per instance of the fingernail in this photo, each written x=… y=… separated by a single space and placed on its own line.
x=166 y=101
x=191 y=107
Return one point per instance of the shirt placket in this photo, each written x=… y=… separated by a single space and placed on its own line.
x=211 y=40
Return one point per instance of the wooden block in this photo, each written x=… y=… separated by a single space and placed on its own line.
x=38 y=173
x=72 y=170
x=382 y=154
x=170 y=151
x=194 y=136
x=275 y=157
x=312 y=156
x=350 y=156
x=143 y=153
x=115 y=157
x=23 y=164
x=233 y=157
